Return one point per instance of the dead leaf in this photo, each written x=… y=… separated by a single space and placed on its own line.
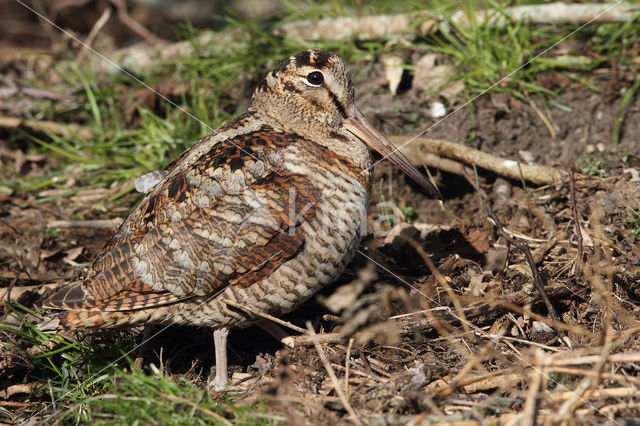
x=507 y=381
x=498 y=325
x=344 y=296
x=541 y=327
x=34 y=158
x=386 y=333
x=430 y=284
x=45 y=254
x=435 y=386
x=72 y=254
x=495 y=258
x=52 y=192
x=635 y=174
x=477 y=239
x=429 y=76
x=473 y=242
x=19 y=159
x=428 y=26
x=90 y=196
x=476 y=286
x=6 y=191
x=19 y=388
x=392 y=70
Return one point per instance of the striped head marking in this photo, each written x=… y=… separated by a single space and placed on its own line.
x=309 y=91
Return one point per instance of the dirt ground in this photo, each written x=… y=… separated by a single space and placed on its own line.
x=466 y=343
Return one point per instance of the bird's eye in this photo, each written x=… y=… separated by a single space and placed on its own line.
x=315 y=78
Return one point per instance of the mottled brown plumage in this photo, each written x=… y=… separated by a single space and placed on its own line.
x=264 y=211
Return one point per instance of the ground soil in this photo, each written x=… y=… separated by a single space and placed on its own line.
x=406 y=365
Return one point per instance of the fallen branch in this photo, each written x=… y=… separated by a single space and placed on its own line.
x=483 y=382
x=410 y=25
x=555 y=14
x=306 y=340
x=137 y=59
x=421 y=151
x=575 y=371
x=406 y=25
x=444 y=164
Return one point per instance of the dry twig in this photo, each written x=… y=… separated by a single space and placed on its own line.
x=597 y=394
x=100 y=23
x=532 y=405
x=306 y=340
x=539 y=279
x=590 y=359
x=576 y=221
x=254 y=311
x=346 y=367
x=417 y=148
x=31 y=276
x=132 y=24
x=588 y=384
x=332 y=375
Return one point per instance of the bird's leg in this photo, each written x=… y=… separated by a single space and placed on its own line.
x=220 y=342
x=144 y=345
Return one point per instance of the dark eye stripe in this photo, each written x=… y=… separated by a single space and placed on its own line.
x=341 y=109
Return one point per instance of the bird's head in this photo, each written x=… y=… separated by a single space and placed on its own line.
x=311 y=94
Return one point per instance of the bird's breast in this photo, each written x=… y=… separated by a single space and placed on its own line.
x=331 y=237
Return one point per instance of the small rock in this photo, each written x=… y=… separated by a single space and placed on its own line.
x=437 y=110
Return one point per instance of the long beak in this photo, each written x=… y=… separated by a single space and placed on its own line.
x=360 y=127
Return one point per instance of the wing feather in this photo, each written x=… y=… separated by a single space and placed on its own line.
x=222 y=220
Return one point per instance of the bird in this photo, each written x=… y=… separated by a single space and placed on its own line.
x=262 y=212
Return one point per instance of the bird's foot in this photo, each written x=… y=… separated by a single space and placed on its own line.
x=216 y=386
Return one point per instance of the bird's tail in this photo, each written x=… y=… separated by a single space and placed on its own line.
x=65 y=322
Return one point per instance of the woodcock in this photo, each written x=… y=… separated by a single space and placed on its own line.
x=262 y=212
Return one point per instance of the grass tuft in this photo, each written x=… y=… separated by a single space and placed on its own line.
x=139 y=398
